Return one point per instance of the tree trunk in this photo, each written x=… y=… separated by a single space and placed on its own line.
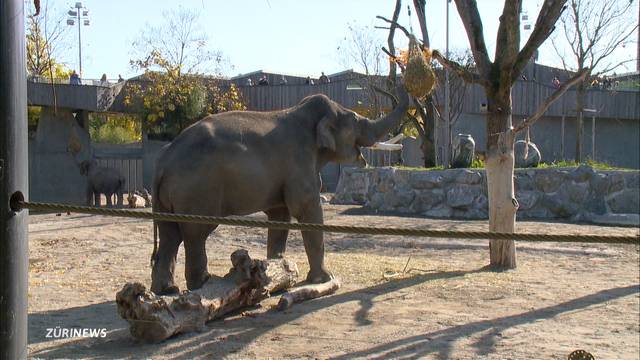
x=428 y=144
x=153 y=318
x=499 y=165
x=580 y=93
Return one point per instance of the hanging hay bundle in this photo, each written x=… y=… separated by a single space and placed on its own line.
x=419 y=77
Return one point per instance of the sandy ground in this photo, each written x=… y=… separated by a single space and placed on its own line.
x=561 y=297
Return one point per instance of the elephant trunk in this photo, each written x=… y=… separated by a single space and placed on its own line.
x=372 y=130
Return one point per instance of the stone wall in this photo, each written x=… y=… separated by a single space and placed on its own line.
x=574 y=194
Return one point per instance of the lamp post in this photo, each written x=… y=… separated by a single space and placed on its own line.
x=80 y=15
x=447 y=120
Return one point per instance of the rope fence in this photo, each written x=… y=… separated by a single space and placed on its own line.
x=19 y=204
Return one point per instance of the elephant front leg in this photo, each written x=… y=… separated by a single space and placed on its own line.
x=88 y=195
x=277 y=239
x=165 y=259
x=314 y=244
x=96 y=198
x=195 y=267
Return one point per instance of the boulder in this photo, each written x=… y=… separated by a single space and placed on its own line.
x=464 y=148
x=533 y=157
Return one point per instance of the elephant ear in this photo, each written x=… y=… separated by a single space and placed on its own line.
x=324 y=135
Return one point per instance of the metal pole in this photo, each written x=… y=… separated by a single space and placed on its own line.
x=447 y=135
x=593 y=138
x=562 y=138
x=13 y=177
x=79 y=43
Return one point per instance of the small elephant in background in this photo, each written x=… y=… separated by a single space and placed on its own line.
x=102 y=180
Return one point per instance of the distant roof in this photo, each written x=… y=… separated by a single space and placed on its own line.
x=257 y=72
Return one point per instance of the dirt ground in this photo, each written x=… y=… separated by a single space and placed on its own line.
x=562 y=297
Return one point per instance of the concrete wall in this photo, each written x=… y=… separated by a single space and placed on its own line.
x=575 y=194
x=615 y=139
x=60 y=144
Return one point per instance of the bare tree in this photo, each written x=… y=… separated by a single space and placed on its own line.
x=46 y=38
x=362 y=48
x=423 y=120
x=180 y=42
x=593 y=31
x=457 y=93
x=497 y=78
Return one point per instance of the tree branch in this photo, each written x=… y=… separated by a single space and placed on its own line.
x=394 y=24
x=580 y=76
x=470 y=17
x=545 y=24
x=460 y=70
x=508 y=39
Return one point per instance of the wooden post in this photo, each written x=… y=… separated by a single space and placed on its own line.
x=562 y=138
x=13 y=178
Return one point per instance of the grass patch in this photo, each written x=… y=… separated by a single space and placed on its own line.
x=479 y=164
x=594 y=164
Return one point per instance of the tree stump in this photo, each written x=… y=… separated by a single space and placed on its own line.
x=153 y=318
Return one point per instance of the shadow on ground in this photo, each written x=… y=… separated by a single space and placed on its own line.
x=231 y=335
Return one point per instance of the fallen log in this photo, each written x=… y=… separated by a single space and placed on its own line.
x=153 y=318
x=307 y=292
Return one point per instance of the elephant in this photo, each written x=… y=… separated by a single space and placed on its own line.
x=463 y=150
x=243 y=162
x=102 y=180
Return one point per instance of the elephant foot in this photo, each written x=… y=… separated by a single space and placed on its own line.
x=166 y=290
x=319 y=276
x=193 y=284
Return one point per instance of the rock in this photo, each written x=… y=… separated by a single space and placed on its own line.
x=440 y=212
x=549 y=181
x=427 y=200
x=582 y=173
x=616 y=182
x=527 y=199
x=533 y=157
x=463 y=149
x=353 y=187
x=462 y=196
x=600 y=184
x=558 y=206
x=625 y=202
x=577 y=192
x=616 y=219
x=595 y=204
x=383 y=179
x=376 y=201
x=398 y=199
x=468 y=177
x=421 y=180
x=632 y=179
x=523 y=180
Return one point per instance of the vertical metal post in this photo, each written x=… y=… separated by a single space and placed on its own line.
x=562 y=138
x=13 y=177
x=447 y=128
x=79 y=42
x=593 y=138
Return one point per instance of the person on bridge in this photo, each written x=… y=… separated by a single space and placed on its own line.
x=324 y=79
x=74 y=78
x=104 y=81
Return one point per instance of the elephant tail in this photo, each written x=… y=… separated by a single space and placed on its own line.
x=155 y=207
x=155 y=244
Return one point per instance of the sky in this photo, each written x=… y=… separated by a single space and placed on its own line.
x=284 y=36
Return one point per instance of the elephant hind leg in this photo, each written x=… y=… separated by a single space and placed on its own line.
x=277 y=239
x=165 y=259
x=195 y=267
